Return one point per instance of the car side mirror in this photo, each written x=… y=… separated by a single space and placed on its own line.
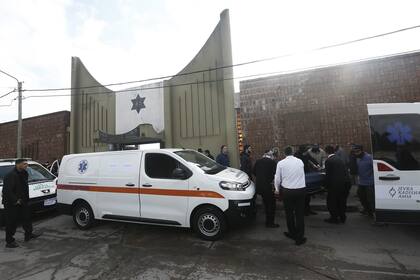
x=179 y=173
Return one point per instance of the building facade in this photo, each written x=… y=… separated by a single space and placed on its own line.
x=325 y=105
x=194 y=109
x=44 y=138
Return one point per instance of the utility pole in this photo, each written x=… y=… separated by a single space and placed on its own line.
x=19 y=130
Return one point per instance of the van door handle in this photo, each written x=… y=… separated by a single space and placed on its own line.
x=389 y=178
x=130 y=185
x=147 y=185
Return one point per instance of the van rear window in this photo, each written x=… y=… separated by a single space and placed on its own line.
x=396 y=140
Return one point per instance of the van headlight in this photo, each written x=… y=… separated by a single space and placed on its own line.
x=232 y=186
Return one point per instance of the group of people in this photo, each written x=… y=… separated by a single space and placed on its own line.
x=287 y=178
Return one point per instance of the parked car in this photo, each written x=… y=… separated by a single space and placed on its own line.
x=315 y=182
x=42 y=186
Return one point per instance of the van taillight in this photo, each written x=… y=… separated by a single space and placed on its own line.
x=384 y=167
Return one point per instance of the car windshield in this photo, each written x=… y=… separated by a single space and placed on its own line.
x=208 y=165
x=36 y=173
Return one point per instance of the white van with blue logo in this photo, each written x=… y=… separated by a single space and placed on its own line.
x=171 y=187
x=395 y=135
x=42 y=187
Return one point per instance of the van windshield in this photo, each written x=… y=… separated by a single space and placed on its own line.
x=208 y=165
x=36 y=173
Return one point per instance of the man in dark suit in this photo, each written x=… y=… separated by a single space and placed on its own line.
x=246 y=162
x=264 y=170
x=15 y=200
x=337 y=180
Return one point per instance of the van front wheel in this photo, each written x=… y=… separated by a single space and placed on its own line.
x=209 y=223
x=83 y=216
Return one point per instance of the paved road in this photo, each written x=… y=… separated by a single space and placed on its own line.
x=111 y=250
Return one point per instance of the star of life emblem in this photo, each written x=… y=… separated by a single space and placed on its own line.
x=83 y=166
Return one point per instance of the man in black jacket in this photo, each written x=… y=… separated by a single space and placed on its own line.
x=337 y=180
x=264 y=171
x=246 y=164
x=15 y=201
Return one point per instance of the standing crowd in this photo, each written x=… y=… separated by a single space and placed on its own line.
x=291 y=177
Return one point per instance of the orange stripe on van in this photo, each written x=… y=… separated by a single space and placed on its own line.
x=149 y=191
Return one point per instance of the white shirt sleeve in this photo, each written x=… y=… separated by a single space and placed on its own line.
x=277 y=177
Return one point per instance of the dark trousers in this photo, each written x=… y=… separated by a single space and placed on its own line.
x=307 y=204
x=337 y=202
x=294 y=206
x=269 y=205
x=367 y=198
x=12 y=215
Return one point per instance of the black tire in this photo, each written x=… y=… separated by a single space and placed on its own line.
x=83 y=216
x=209 y=223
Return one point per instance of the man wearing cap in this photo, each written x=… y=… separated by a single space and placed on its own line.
x=15 y=201
x=366 y=190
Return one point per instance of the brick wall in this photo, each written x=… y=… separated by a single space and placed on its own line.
x=326 y=105
x=44 y=137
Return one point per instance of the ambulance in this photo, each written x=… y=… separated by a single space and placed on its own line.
x=395 y=135
x=169 y=187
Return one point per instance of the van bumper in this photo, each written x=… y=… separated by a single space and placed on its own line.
x=240 y=211
x=37 y=204
x=388 y=216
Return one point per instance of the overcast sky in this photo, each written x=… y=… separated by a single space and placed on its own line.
x=123 y=40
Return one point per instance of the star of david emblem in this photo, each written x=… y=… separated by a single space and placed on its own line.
x=83 y=166
x=392 y=192
x=138 y=103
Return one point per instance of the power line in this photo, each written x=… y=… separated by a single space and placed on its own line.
x=19 y=124
x=4 y=95
x=234 y=65
x=9 y=75
x=222 y=79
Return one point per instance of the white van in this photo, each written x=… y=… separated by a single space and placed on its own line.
x=395 y=134
x=42 y=187
x=172 y=187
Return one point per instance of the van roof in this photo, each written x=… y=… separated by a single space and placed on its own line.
x=130 y=152
x=392 y=104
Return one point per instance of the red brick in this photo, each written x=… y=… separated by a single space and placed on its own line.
x=44 y=137
x=327 y=105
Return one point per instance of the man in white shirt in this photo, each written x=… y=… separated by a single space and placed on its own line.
x=290 y=177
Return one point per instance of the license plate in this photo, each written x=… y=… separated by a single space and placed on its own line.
x=50 y=201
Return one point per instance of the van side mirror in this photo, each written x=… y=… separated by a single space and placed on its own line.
x=179 y=173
